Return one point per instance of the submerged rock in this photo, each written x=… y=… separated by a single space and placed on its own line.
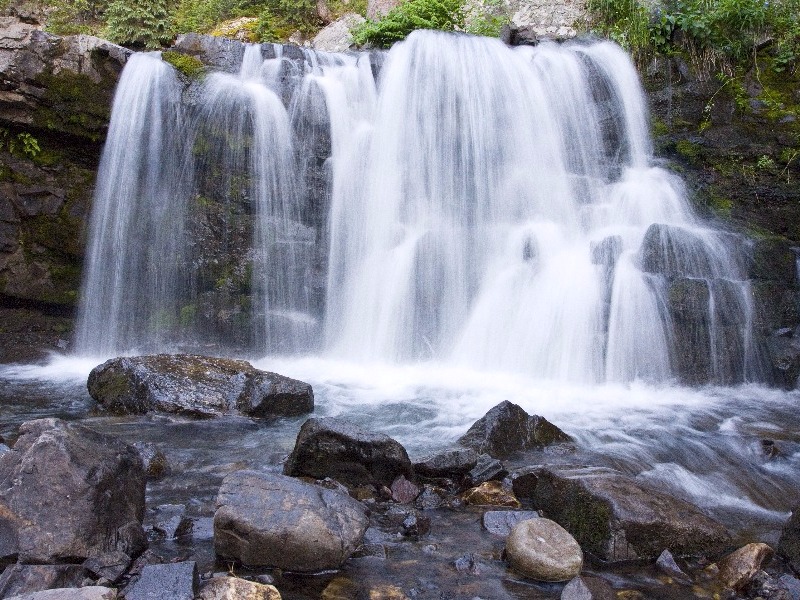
x=336 y=448
x=543 y=550
x=588 y=588
x=68 y=493
x=615 y=518
x=272 y=520
x=199 y=386
x=507 y=428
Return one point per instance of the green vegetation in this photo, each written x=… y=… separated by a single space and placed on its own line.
x=716 y=33
x=191 y=66
x=20 y=144
x=138 y=22
x=444 y=15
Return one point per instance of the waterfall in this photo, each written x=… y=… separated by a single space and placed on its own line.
x=453 y=200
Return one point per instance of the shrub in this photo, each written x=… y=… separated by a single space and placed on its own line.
x=444 y=15
x=138 y=22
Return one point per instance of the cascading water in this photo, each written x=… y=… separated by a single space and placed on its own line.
x=473 y=204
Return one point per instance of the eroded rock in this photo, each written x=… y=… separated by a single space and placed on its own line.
x=737 y=569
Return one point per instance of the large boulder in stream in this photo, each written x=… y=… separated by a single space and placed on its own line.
x=68 y=493
x=615 y=518
x=198 y=386
x=267 y=519
x=336 y=448
x=507 y=428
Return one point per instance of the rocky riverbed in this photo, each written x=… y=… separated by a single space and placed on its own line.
x=429 y=518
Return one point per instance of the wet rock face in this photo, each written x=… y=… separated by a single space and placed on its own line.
x=616 y=519
x=507 y=428
x=338 y=449
x=273 y=520
x=102 y=478
x=199 y=386
x=789 y=543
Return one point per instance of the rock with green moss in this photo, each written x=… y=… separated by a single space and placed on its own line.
x=198 y=386
x=616 y=519
x=190 y=66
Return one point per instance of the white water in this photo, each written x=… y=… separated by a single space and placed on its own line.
x=489 y=208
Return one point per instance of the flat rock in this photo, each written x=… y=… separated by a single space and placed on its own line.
x=236 y=588
x=738 y=568
x=199 y=386
x=615 y=518
x=543 y=550
x=101 y=476
x=332 y=447
x=268 y=519
x=91 y=592
x=25 y=579
x=507 y=429
x=176 y=581
x=501 y=522
x=111 y=565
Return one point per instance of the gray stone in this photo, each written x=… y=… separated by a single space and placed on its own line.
x=543 y=550
x=507 y=429
x=667 y=565
x=588 y=588
x=486 y=469
x=332 y=447
x=176 y=581
x=378 y=8
x=25 y=579
x=737 y=569
x=101 y=476
x=616 y=519
x=170 y=520
x=111 y=566
x=453 y=463
x=199 y=386
x=272 y=520
x=92 y=592
x=336 y=37
x=501 y=522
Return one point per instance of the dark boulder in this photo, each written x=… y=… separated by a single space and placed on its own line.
x=507 y=428
x=674 y=251
x=68 y=493
x=336 y=448
x=199 y=386
x=772 y=259
x=272 y=520
x=616 y=519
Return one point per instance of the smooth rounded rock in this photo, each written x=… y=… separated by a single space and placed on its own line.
x=236 y=588
x=543 y=550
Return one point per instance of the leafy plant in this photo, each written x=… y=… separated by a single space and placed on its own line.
x=20 y=144
x=138 y=22
x=398 y=23
x=67 y=17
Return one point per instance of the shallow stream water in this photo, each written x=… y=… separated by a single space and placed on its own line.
x=704 y=445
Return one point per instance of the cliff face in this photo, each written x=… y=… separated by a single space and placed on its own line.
x=732 y=142
x=57 y=92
